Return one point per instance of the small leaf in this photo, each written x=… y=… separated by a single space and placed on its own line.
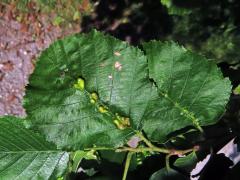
x=187 y=163
x=236 y=91
x=77 y=158
x=164 y=174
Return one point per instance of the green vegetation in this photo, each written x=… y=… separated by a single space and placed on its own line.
x=91 y=92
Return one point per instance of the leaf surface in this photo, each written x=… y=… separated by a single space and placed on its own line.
x=112 y=69
x=192 y=90
x=164 y=174
x=26 y=155
x=118 y=75
x=187 y=163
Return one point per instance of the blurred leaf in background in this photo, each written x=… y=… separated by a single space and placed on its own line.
x=173 y=9
x=211 y=28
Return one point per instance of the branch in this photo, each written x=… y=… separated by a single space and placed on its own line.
x=150 y=148
x=157 y=149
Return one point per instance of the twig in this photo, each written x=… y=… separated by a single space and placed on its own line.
x=156 y=149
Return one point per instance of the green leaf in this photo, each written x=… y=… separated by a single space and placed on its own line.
x=26 y=155
x=78 y=156
x=164 y=174
x=188 y=162
x=93 y=90
x=192 y=90
x=236 y=91
x=68 y=116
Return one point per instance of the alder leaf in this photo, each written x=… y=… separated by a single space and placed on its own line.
x=93 y=90
x=115 y=76
x=192 y=90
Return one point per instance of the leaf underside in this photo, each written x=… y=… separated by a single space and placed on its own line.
x=26 y=155
x=187 y=90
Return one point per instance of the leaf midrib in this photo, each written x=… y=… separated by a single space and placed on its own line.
x=182 y=110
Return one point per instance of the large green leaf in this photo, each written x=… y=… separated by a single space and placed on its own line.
x=118 y=73
x=25 y=155
x=113 y=69
x=192 y=90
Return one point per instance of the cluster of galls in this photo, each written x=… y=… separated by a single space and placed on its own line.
x=121 y=122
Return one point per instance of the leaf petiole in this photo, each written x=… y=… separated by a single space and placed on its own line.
x=127 y=164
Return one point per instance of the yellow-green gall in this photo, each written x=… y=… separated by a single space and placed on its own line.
x=94 y=96
x=117 y=116
x=102 y=109
x=121 y=122
x=118 y=124
x=92 y=101
x=79 y=84
x=126 y=122
x=236 y=91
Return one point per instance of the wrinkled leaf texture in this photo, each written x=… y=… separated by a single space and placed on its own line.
x=165 y=90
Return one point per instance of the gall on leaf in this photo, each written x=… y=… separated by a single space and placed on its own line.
x=80 y=84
